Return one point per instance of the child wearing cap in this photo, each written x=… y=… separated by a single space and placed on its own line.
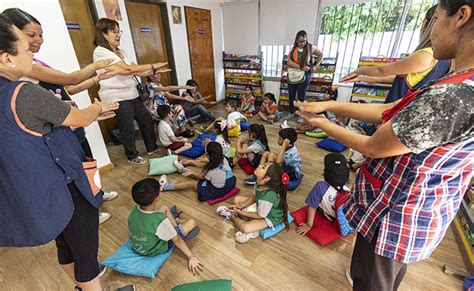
x=323 y=195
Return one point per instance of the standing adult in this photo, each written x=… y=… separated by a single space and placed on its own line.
x=45 y=193
x=302 y=60
x=122 y=88
x=412 y=72
x=420 y=161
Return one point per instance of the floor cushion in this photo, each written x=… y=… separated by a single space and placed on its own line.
x=198 y=149
x=323 y=232
x=320 y=134
x=125 y=260
x=211 y=285
x=269 y=232
x=162 y=166
x=244 y=125
x=225 y=197
x=331 y=145
x=293 y=184
x=244 y=163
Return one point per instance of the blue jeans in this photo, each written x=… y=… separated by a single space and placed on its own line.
x=200 y=110
x=300 y=89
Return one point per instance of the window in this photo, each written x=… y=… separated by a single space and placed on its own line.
x=272 y=59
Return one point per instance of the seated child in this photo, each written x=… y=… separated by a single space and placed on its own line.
x=215 y=180
x=159 y=95
x=288 y=157
x=166 y=134
x=324 y=193
x=234 y=117
x=153 y=231
x=269 y=109
x=195 y=111
x=253 y=145
x=271 y=205
x=247 y=102
x=220 y=128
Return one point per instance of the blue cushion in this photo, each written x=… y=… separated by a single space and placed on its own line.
x=125 y=260
x=244 y=125
x=343 y=223
x=198 y=148
x=293 y=184
x=268 y=232
x=331 y=145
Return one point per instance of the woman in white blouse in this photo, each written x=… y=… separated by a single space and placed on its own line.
x=122 y=88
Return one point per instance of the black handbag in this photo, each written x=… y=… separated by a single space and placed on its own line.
x=143 y=93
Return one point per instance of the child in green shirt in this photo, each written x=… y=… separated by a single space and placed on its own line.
x=269 y=199
x=152 y=232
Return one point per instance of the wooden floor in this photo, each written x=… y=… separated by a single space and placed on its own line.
x=285 y=262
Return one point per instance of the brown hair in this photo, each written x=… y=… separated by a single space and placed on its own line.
x=102 y=26
x=428 y=22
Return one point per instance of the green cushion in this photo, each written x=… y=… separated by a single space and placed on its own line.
x=212 y=285
x=162 y=166
x=232 y=152
x=320 y=134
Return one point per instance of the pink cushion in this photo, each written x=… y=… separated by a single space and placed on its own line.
x=246 y=166
x=225 y=197
x=323 y=232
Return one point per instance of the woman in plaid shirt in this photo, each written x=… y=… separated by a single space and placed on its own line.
x=420 y=160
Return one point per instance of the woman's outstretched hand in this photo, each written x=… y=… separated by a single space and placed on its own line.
x=314 y=107
x=312 y=118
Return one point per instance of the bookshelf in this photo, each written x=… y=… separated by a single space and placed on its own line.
x=240 y=71
x=320 y=80
x=464 y=228
x=371 y=93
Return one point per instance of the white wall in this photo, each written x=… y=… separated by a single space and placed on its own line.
x=58 y=52
x=179 y=38
x=241 y=28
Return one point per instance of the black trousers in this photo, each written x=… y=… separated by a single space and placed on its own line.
x=371 y=272
x=128 y=111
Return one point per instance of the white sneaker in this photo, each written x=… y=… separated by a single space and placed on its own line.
x=181 y=169
x=138 y=161
x=104 y=216
x=284 y=124
x=349 y=277
x=223 y=211
x=162 y=181
x=242 y=238
x=109 y=195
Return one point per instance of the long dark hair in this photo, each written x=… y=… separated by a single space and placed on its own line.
x=258 y=131
x=19 y=17
x=304 y=57
x=8 y=36
x=275 y=173
x=104 y=25
x=224 y=132
x=216 y=156
x=192 y=83
x=452 y=6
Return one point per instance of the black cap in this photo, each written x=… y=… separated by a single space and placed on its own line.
x=336 y=172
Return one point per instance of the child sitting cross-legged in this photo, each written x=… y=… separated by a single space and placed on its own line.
x=270 y=199
x=216 y=179
x=323 y=196
x=269 y=109
x=288 y=156
x=166 y=134
x=153 y=231
x=253 y=144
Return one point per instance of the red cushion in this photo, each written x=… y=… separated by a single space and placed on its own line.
x=246 y=166
x=323 y=232
x=225 y=197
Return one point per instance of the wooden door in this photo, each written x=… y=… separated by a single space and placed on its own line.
x=201 y=51
x=148 y=34
x=78 y=15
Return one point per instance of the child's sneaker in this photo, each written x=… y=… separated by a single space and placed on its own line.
x=109 y=195
x=138 y=161
x=242 y=238
x=349 y=277
x=224 y=211
x=284 y=124
x=181 y=169
x=102 y=270
x=162 y=182
x=103 y=217
x=251 y=181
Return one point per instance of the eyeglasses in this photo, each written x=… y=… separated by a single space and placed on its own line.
x=301 y=41
x=116 y=31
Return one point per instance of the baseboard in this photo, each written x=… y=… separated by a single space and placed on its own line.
x=106 y=168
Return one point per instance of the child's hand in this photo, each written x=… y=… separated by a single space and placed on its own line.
x=184 y=162
x=195 y=265
x=234 y=207
x=286 y=143
x=243 y=138
x=303 y=229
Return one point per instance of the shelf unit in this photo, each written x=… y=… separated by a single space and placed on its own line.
x=464 y=227
x=371 y=93
x=320 y=80
x=240 y=71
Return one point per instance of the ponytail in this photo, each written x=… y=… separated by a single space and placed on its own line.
x=258 y=130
